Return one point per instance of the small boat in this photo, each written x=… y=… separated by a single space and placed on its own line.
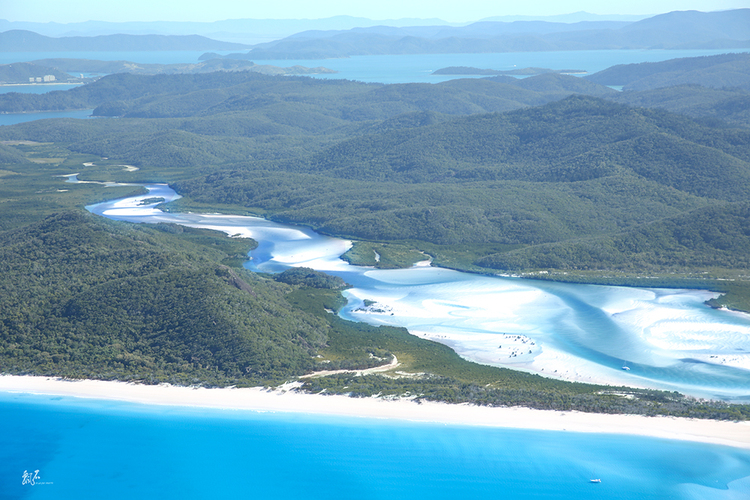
x=595 y=480
x=626 y=368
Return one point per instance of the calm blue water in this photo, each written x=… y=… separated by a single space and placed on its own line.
x=418 y=68
x=405 y=68
x=13 y=118
x=93 y=449
x=35 y=89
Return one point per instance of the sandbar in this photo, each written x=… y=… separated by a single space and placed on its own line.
x=286 y=399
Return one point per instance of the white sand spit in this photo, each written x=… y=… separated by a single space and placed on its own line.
x=735 y=434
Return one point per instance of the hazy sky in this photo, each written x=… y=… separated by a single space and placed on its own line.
x=65 y=11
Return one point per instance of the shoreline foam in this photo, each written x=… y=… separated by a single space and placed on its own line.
x=284 y=399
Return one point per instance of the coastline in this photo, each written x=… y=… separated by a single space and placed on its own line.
x=28 y=84
x=284 y=399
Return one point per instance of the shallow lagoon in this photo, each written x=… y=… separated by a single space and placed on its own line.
x=667 y=339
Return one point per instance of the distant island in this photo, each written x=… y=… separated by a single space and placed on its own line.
x=28 y=41
x=674 y=30
x=468 y=70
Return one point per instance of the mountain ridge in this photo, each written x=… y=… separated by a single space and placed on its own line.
x=28 y=41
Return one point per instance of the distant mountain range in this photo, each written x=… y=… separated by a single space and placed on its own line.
x=28 y=41
x=348 y=36
x=675 y=30
x=254 y=31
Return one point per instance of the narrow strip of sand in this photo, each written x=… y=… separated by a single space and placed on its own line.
x=735 y=434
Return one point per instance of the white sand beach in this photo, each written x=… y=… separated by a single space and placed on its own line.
x=735 y=434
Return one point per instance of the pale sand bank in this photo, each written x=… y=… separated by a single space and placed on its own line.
x=735 y=434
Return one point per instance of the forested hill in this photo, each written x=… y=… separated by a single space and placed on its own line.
x=21 y=72
x=330 y=103
x=86 y=298
x=205 y=94
x=714 y=87
x=74 y=66
x=720 y=71
x=576 y=139
x=578 y=168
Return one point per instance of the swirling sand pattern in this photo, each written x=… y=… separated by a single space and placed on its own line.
x=659 y=338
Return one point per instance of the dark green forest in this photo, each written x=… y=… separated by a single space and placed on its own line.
x=481 y=175
x=720 y=71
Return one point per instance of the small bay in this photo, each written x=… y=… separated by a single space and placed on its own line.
x=13 y=118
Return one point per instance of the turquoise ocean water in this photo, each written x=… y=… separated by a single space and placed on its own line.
x=110 y=450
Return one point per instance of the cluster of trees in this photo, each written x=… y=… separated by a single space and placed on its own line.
x=310 y=278
x=449 y=390
x=383 y=255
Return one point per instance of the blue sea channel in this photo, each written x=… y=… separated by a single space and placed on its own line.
x=85 y=449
